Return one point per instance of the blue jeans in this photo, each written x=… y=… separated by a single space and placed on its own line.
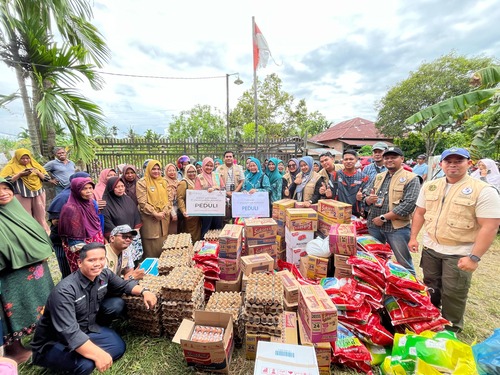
x=59 y=358
x=398 y=240
x=111 y=308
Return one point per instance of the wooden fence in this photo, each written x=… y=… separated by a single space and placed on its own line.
x=112 y=152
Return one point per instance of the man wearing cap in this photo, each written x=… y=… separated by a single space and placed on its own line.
x=377 y=166
x=69 y=337
x=391 y=202
x=118 y=257
x=421 y=167
x=460 y=216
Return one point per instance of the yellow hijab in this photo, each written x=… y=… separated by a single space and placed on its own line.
x=172 y=183
x=156 y=188
x=14 y=166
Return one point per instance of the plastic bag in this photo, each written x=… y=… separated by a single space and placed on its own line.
x=398 y=275
x=319 y=247
x=487 y=354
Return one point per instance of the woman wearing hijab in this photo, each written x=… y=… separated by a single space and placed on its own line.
x=129 y=179
x=54 y=212
x=275 y=179
x=281 y=168
x=104 y=176
x=305 y=187
x=198 y=167
x=316 y=166
x=120 y=210
x=289 y=177
x=27 y=176
x=78 y=221
x=154 y=207
x=190 y=224
x=25 y=280
x=256 y=180
x=210 y=181
x=487 y=171
x=217 y=162
x=172 y=183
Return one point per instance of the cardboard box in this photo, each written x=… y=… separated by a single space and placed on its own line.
x=260 y=228
x=342 y=272
x=256 y=263
x=293 y=254
x=259 y=241
x=289 y=335
x=323 y=350
x=280 y=207
x=290 y=306
x=339 y=211
x=341 y=261
x=229 y=269
x=229 y=286
x=244 y=281
x=207 y=356
x=313 y=267
x=270 y=249
x=318 y=313
x=280 y=241
x=290 y=286
x=324 y=224
x=285 y=359
x=298 y=238
x=343 y=239
x=230 y=241
x=301 y=213
x=302 y=224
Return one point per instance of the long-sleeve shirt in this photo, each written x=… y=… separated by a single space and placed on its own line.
x=71 y=309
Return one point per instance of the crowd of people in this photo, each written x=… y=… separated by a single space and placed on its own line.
x=101 y=232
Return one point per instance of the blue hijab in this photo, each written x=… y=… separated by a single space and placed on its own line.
x=254 y=178
x=60 y=199
x=274 y=175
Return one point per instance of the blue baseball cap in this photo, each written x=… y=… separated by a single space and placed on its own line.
x=455 y=151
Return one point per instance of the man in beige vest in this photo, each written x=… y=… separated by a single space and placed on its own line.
x=391 y=202
x=460 y=216
x=234 y=177
x=118 y=258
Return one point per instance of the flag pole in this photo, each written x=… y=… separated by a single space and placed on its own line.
x=255 y=86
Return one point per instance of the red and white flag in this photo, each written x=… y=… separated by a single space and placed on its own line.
x=261 y=50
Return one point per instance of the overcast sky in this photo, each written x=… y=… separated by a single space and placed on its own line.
x=341 y=57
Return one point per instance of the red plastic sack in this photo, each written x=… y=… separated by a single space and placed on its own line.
x=402 y=312
x=358 y=316
x=435 y=325
x=364 y=259
x=419 y=297
x=398 y=275
x=373 y=332
x=350 y=351
x=372 y=245
x=375 y=279
x=206 y=250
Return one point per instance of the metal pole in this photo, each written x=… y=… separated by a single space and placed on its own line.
x=227 y=108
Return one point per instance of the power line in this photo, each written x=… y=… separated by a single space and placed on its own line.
x=118 y=74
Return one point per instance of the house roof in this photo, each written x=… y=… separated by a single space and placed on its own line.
x=362 y=142
x=356 y=128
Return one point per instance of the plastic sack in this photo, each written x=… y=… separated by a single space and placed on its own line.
x=487 y=354
x=374 y=246
x=350 y=351
x=398 y=275
x=319 y=247
x=379 y=353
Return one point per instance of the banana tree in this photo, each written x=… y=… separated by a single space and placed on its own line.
x=460 y=108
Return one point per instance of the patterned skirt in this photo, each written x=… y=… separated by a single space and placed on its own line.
x=23 y=294
x=73 y=255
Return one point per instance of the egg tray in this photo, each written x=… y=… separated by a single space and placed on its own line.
x=258 y=329
x=169 y=259
x=212 y=235
x=178 y=241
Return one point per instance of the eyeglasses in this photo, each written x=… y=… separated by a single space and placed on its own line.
x=126 y=236
x=291 y=165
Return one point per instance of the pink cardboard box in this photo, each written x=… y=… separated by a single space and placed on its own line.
x=343 y=239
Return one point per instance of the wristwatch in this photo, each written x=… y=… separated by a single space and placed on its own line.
x=145 y=290
x=382 y=217
x=474 y=258
x=130 y=277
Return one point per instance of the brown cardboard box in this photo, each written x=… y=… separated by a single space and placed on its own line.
x=301 y=213
x=230 y=241
x=228 y=286
x=256 y=263
x=343 y=239
x=323 y=349
x=339 y=211
x=313 y=267
x=289 y=335
x=229 y=269
x=259 y=241
x=290 y=286
x=341 y=261
x=207 y=356
x=342 y=272
x=280 y=207
x=260 y=228
x=324 y=224
x=270 y=249
x=290 y=306
x=318 y=313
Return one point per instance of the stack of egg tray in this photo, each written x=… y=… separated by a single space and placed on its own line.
x=169 y=259
x=142 y=319
x=181 y=294
x=212 y=235
x=231 y=303
x=263 y=307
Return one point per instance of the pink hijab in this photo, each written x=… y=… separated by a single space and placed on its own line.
x=101 y=184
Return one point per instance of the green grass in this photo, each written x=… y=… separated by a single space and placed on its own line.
x=159 y=356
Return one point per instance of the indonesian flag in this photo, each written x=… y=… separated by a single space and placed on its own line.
x=261 y=51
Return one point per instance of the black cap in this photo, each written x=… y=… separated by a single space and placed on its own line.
x=393 y=150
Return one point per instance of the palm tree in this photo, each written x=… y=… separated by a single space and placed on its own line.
x=27 y=44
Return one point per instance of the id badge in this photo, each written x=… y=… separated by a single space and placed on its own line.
x=380 y=202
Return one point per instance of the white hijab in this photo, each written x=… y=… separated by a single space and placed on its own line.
x=493 y=176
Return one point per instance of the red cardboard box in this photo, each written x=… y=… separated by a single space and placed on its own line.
x=324 y=224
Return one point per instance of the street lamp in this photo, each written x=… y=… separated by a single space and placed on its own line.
x=238 y=81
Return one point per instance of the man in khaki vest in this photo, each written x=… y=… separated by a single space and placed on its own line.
x=391 y=202
x=460 y=216
x=234 y=177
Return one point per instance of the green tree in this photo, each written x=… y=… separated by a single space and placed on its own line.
x=201 y=122
x=479 y=109
x=151 y=135
x=279 y=115
x=366 y=150
x=432 y=82
x=28 y=33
